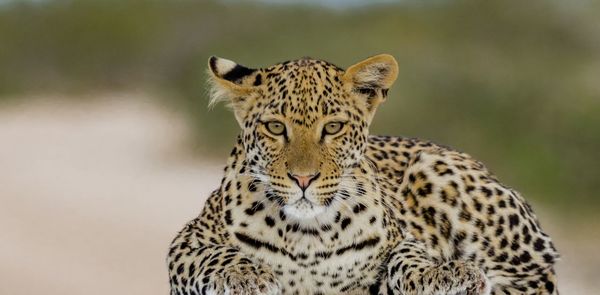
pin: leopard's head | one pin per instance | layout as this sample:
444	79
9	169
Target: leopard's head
304	125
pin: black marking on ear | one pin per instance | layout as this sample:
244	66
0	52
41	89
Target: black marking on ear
237	73
213	64
368	91
384	92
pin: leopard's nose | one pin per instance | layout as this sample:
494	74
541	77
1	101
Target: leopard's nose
304	181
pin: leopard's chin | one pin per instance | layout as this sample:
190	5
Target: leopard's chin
303	209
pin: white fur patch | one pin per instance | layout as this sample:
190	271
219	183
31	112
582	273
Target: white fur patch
217	93
303	209
223	66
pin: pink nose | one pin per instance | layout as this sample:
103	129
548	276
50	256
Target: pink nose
304	181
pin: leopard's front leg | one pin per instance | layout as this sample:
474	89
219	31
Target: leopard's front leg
411	270
207	268
202	261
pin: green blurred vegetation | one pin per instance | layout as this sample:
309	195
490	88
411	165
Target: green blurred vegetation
514	83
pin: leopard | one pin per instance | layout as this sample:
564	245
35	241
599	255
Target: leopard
311	203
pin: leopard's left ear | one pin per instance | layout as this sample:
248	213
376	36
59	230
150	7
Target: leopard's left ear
371	78
234	84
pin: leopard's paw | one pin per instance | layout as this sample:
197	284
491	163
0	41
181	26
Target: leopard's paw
464	278
248	279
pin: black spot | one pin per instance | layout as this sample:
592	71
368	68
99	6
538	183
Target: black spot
252	186
502	204
374	289
337	217
548	258
513	220
486	191
282	215
425	190
538	245
359	208
503	243
345	222
228	218
502	257
257	80
254	207
550	287
269	221
411	178
525	257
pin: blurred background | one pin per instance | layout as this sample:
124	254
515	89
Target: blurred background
107	146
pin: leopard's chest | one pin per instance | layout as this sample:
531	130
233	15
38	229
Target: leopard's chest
341	256
317	270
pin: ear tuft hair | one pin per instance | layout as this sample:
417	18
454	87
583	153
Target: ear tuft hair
216	92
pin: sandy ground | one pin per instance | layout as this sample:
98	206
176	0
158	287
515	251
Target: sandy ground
91	195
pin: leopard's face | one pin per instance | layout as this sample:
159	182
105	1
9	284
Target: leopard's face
305	142
304	126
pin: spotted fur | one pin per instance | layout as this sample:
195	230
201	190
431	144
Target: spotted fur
305	211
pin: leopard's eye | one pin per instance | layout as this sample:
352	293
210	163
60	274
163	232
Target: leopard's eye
332	128
275	127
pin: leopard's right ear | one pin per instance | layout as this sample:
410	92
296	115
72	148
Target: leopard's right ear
232	83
